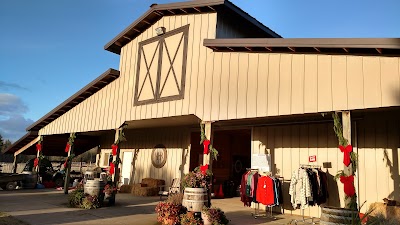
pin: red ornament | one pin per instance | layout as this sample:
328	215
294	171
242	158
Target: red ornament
112	168
35	162
204	169
348	183
206	144
38	147
67	147
65	163
114	148
346	157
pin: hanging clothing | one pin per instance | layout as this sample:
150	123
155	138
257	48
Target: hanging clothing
260	189
300	188
308	187
243	197
265	191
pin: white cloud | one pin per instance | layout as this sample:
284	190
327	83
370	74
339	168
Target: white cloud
12	120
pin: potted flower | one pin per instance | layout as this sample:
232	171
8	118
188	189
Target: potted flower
109	190
213	216
196	185
168	212
109	193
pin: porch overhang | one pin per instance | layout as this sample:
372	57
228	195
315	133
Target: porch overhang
175	121
53	145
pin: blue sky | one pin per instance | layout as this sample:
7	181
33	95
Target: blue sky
51	49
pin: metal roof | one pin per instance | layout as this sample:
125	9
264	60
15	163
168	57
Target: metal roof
93	87
351	46
156	12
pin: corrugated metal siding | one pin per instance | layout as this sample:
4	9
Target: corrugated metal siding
377	145
111	106
176	140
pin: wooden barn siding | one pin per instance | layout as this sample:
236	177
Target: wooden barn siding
113	105
222	86
258	85
377	145
176	140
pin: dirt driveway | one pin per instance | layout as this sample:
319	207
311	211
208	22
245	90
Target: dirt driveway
44	206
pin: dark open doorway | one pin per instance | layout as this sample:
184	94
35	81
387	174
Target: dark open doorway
234	147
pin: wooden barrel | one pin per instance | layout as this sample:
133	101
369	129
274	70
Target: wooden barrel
194	199
94	187
29	180
338	216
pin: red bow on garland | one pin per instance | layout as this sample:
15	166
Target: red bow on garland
38	147
114	148
348	183
67	147
204	169
65	163
206	144
35	162
346	157
112	168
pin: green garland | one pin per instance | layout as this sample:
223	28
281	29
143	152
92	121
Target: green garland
337	127
213	151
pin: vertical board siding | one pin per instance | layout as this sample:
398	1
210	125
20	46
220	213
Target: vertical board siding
375	138
113	104
177	142
234	85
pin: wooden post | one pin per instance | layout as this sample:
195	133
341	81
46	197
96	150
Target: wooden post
68	169
115	157
346	123
15	164
207	159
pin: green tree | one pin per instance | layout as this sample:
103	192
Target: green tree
1	143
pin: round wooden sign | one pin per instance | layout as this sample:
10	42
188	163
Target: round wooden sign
159	156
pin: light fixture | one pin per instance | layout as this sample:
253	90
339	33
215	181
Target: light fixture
160	30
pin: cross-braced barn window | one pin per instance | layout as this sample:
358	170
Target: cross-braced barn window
161	67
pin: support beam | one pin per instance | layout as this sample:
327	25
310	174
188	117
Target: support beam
115	157
346	123
207	159
27	146
68	169
207	130
14	170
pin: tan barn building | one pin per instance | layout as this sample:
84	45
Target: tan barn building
256	91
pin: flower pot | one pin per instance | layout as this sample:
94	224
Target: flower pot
194	199
205	219
109	199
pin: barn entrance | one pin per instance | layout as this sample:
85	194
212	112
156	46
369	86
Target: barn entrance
234	147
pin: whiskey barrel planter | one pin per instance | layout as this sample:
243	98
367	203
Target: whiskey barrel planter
194	199
338	216
94	187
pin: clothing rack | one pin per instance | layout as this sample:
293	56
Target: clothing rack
268	210
305	220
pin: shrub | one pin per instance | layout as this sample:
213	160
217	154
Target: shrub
168	211
175	199
190	219
75	197
90	202
215	215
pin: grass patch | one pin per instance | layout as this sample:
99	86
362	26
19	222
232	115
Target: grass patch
6	219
